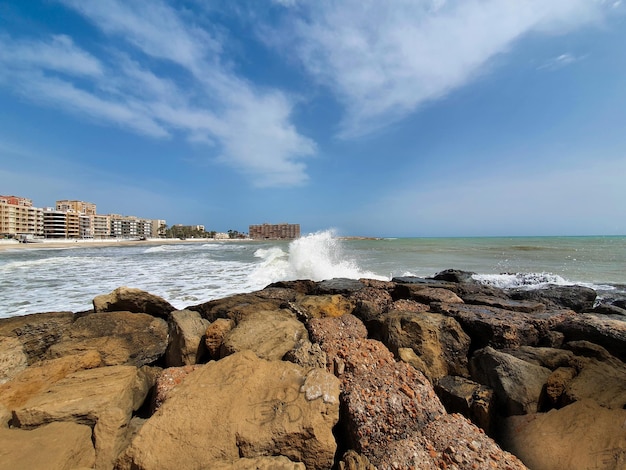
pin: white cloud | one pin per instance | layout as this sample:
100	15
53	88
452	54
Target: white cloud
560	61
383	62
247	127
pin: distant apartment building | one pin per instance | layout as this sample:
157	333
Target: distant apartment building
81	207
274	231
18	217
125	226
100	226
54	223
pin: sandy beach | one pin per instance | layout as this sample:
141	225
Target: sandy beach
15	245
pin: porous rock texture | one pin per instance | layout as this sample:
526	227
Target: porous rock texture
339	374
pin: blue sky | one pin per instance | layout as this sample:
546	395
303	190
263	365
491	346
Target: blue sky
398	118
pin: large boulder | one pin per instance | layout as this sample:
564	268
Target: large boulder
241	406
605	331
439	341
339	285
186	334
133	300
581	436
36	332
329	305
236	306
55	446
41	375
270	334
215	334
577	298
526	306
517	384
120	338
469	398
103	398
501	328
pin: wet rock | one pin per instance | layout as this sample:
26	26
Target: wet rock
606	332
577	298
56	446
436	339
186	335
580	436
316	306
455	275
120	338
500	328
235	307
129	299
339	286
525	306
517	384
270	334
302	286
608	309
403	285
36	332
469	398
256	408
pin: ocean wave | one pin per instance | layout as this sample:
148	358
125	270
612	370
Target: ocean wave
521	280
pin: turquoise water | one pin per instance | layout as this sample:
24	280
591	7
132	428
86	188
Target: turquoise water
53	279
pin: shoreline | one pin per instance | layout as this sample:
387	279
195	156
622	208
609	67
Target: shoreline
53	244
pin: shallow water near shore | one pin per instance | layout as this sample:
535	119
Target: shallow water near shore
67	279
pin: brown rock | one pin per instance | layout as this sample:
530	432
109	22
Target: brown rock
353	461
602	381
167	380
104	397
186	332
436	339
434	294
526	306
259	463
215	334
556	385
324	330
55	446
306	354
471	399
604	331
270	334
36	332
370	302
517	384
405	305
500	328
580	436
13	359
236	307
256	408
119	337
42	375
133	300
551	358
317	306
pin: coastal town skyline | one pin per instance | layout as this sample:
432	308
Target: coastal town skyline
420	118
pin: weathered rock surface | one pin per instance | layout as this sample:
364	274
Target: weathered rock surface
438	341
517	384
604	331
13	359
103	398
525	306
36	332
236	306
120	338
215	334
580	436
129	299
186	335
259	463
501	328
256	408
329	305
577	298
270	334
339	286
41	375
167	380
55	446
469	398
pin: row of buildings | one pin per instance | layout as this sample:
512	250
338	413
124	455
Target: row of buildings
274	231
70	219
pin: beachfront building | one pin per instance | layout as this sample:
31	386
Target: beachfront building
128	226
19	219
100	226
80	207
54	223
274	231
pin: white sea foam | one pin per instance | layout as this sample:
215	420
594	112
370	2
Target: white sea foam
521	280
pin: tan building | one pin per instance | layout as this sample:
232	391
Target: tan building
82	207
18	218
274	231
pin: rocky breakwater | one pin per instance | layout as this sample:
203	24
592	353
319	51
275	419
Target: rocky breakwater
339	374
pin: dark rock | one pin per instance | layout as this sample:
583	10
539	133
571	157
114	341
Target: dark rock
526	306
500	328
127	299
302	286
587	349
455	275
608	309
339	286
469	398
578	298
120	338
517	384
278	293
606	332
36	332
235	307
370	302
405	286
550	358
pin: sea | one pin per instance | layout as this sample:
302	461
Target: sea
48	278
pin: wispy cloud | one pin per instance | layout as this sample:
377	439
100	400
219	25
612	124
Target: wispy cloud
560	61
383	62
246	127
